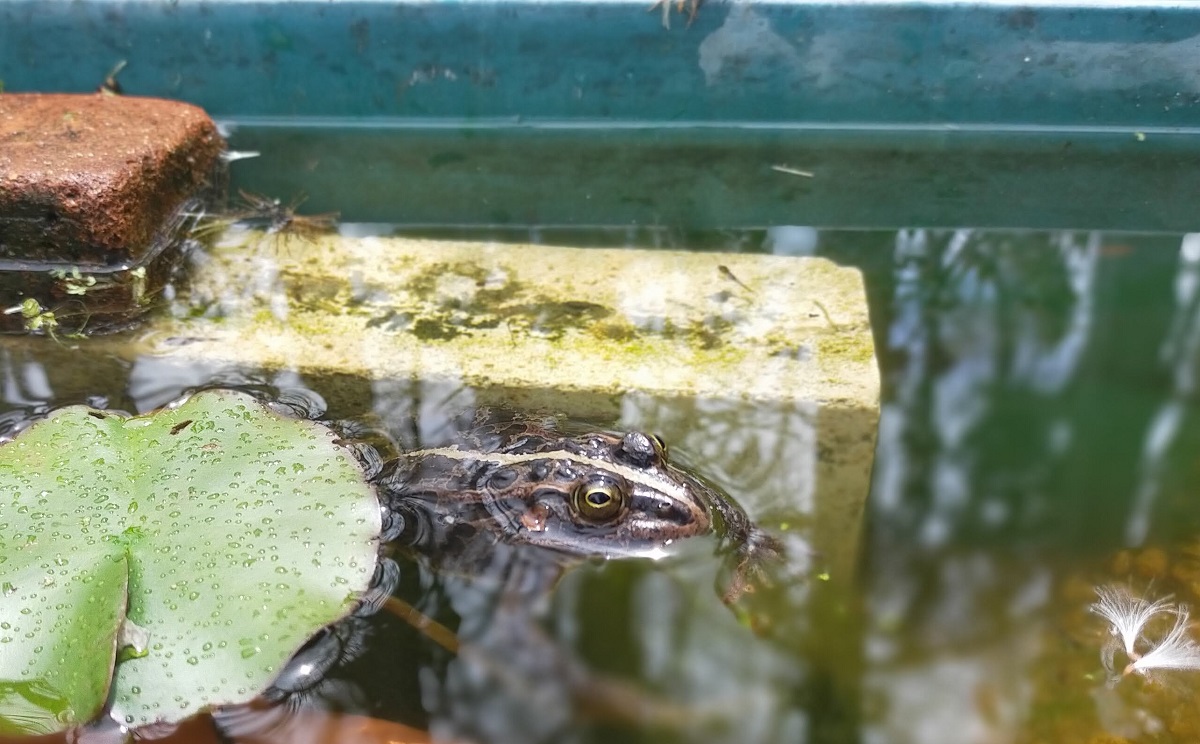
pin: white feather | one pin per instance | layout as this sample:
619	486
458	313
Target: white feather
1175	651
1126	613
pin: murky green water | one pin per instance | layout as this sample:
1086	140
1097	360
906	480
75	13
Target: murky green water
1037	420
1038	392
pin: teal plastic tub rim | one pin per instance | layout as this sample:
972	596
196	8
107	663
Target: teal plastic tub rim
579	112
1077	64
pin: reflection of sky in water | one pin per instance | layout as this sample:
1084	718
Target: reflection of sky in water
961	331
1179	352
994	337
25	382
740	446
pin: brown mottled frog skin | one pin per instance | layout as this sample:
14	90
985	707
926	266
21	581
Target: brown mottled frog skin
590	494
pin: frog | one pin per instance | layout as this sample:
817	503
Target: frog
485	524
581	495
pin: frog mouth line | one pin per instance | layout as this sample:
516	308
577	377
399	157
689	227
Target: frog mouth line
633	475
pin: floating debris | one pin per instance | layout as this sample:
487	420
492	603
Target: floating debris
270	215
277	218
725	272
1126	613
110	86
230	156
792	171
691	5
1175	651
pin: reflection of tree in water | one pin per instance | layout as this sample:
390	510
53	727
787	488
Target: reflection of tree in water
1035	384
982	358
766	456
1181	354
37	374
418	414
985	341
763	454
25	390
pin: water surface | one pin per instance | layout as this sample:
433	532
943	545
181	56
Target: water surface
1035	440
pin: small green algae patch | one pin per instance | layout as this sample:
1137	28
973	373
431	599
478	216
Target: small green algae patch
430	329
228	532
853	348
444	301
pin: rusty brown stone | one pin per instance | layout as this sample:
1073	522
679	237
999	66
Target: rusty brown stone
91	180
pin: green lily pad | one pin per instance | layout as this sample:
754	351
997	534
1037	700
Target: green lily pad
67	666
234	532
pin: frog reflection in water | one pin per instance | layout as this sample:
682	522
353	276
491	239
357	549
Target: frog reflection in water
493	520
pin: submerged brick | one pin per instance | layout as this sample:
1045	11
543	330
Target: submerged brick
93	189
91	179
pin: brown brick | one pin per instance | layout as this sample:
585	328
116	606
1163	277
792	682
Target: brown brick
90	180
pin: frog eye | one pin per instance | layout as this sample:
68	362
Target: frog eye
659	445
598	501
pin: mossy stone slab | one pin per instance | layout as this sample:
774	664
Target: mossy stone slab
530	316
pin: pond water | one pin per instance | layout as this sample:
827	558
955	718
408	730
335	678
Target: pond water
1036	440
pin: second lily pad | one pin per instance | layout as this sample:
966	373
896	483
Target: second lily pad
243	532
